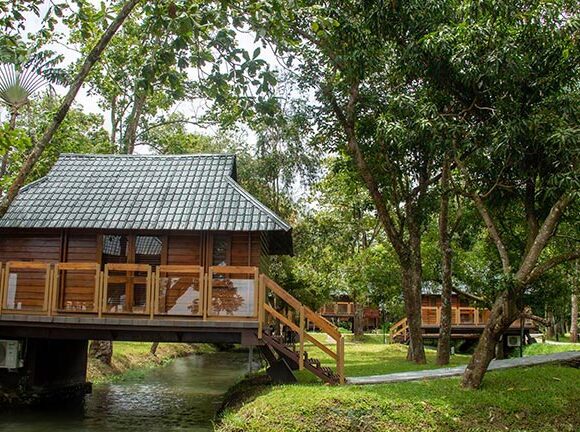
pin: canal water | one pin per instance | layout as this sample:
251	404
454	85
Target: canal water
182	396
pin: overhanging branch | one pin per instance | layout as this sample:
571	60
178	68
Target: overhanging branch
540	269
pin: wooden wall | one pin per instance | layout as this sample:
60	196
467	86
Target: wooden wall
435	301
78	288
245	249
27	286
184	249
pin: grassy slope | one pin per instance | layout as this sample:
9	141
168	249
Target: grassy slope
542	398
132	359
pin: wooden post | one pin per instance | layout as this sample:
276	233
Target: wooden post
47	288
261	301
97	288
301	358
152	288
202	293
1	286
101	294
256	312
6	283
52	295
105	285
340	359
208	286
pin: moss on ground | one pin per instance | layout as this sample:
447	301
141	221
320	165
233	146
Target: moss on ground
541	398
131	360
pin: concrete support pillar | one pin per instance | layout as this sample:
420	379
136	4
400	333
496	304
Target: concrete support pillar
52	368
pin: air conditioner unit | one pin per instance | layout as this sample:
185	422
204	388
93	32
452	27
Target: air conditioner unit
513	341
10	357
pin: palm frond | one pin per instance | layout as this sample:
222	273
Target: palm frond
18	84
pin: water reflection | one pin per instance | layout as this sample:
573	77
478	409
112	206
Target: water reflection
182	396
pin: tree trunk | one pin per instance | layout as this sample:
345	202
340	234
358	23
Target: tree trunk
574	319
88	64
357	327
154	347
133	122
6	156
412	296
444	342
4	163
551	329
102	351
13	116
504	311
413	274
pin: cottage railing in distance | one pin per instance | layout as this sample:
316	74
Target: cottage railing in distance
177	292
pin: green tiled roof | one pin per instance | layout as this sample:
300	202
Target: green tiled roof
143	192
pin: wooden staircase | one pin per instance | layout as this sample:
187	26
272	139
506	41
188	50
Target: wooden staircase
399	332
282	330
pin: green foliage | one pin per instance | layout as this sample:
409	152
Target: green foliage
79	133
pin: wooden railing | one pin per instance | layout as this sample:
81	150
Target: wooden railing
135	290
36	287
70	288
462	315
399	329
236	295
76	297
179	291
281	308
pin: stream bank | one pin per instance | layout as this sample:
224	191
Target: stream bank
133	359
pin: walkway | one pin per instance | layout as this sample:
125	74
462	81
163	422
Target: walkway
457	371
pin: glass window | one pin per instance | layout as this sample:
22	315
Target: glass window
221	251
148	250
115	249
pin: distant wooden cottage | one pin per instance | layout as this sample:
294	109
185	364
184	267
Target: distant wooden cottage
342	309
467	320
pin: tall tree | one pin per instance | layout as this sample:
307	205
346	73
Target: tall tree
369	110
90	60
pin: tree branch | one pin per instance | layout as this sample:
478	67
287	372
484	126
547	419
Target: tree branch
528	315
544	234
347	119
540	269
488	220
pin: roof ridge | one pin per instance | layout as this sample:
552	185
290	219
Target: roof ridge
257	203
33	183
103	155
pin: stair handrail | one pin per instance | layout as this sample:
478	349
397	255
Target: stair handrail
304	314
398	328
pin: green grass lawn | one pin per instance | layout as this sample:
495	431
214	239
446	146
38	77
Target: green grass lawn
542	398
544	348
369	356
